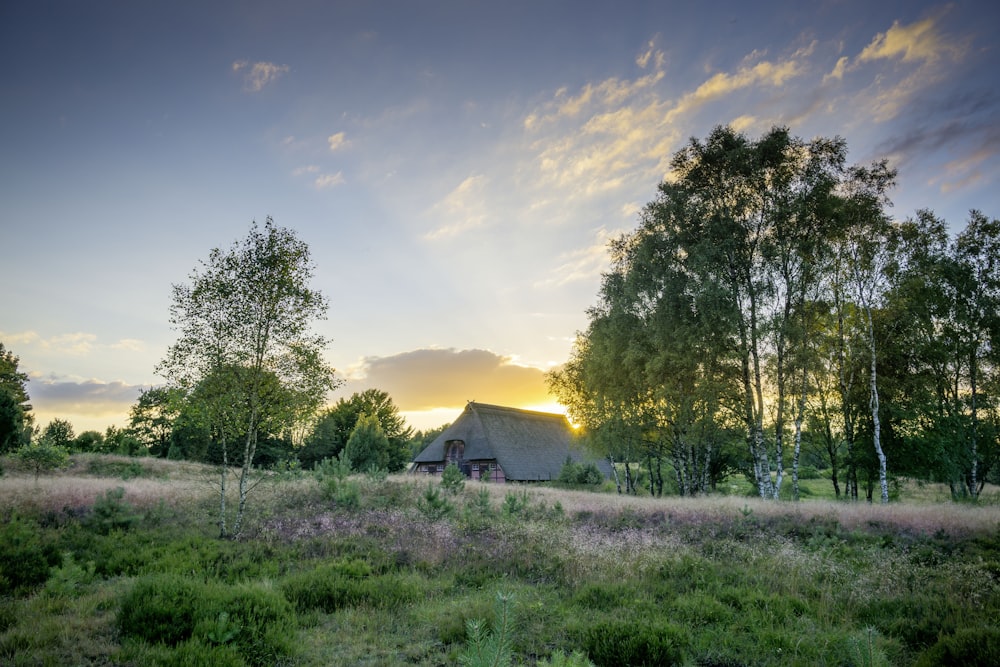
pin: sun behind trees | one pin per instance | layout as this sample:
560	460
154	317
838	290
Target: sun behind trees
766	300
246	358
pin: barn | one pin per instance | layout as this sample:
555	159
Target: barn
500	444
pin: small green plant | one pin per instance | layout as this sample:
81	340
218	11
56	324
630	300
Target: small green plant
67	579
224	631
433	505
864	650
333	475
515	504
491	647
560	659
452	479
111	512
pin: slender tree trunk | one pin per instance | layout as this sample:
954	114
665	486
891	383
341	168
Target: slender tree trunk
223	473
799	416
873	401
973	482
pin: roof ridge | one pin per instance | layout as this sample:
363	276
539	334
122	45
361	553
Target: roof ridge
473	405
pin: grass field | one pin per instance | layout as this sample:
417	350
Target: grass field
115	562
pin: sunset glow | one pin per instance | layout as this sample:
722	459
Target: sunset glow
457	172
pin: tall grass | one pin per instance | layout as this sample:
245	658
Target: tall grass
94	576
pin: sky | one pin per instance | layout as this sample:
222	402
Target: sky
456	168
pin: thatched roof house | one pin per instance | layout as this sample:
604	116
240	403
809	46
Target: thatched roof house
501	444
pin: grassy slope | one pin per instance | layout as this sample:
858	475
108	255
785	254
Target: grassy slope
730	580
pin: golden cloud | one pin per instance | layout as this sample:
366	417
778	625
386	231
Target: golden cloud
427	379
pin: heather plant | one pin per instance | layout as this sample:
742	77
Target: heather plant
26	555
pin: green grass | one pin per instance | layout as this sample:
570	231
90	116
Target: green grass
724	580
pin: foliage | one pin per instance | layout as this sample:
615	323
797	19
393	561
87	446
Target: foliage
15	411
560	659
335	426
43	456
974	646
26	555
573	472
172	609
491	647
112	513
452	479
434	506
635	642
246	348
367	447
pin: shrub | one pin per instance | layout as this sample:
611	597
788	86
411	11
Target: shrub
67	579
560	659
452	479
809	472
160	609
614	643
970	647
580	473
171	609
111	513
25	556
346	584
433	505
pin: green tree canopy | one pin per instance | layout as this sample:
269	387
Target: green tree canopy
246	340
15	411
335	426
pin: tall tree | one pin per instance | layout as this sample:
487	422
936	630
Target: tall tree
244	320
15	411
335	425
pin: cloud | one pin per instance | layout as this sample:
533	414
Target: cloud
583	263
307	169
838	70
427	379
917	42
76	343
326	181
763	73
88	404
258	75
462	209
337	141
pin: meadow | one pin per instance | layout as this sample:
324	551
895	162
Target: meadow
116	561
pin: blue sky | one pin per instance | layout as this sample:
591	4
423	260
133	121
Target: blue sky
456	168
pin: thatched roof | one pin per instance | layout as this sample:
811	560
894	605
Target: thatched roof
528	445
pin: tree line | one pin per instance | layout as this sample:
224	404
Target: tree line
768	311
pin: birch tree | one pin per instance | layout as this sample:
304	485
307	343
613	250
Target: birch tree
245	341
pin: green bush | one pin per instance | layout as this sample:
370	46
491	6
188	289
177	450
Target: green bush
809	472
615	643
26	556
160	609
170	609
452	479
433	505
969	647
111	513
332	587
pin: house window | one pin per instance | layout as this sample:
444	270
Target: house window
475	467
